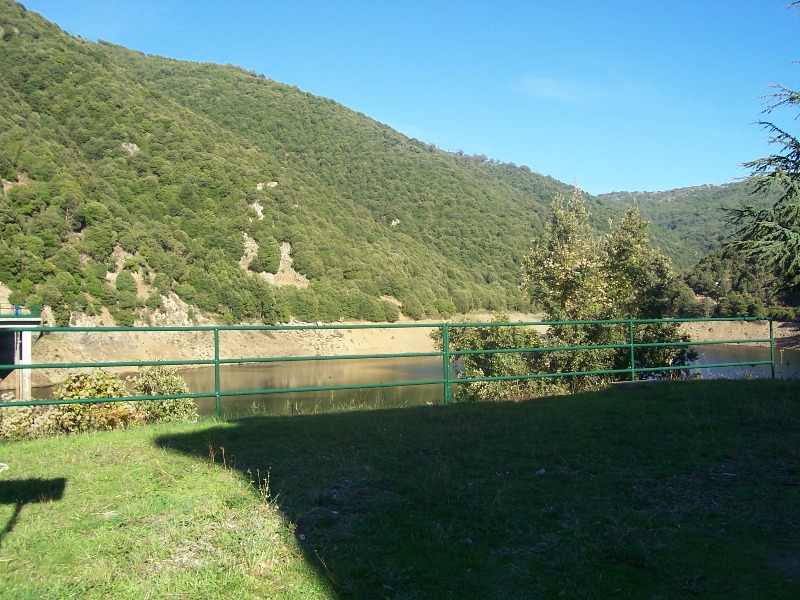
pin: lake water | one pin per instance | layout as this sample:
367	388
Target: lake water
787	362
318	373
360	371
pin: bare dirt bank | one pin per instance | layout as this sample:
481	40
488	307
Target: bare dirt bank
93	347
787	335
190	346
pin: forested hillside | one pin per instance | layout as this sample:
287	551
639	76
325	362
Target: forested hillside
128	178
698	215
726	280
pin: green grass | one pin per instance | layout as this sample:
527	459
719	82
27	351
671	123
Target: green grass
658	491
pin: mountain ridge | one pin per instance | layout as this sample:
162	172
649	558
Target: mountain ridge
180	163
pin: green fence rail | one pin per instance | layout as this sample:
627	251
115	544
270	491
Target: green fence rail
447	355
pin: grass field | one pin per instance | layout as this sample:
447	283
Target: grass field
656	491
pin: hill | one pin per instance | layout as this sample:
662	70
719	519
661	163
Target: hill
178	166
693	219
133	180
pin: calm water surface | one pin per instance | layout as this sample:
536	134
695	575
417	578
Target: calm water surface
318	373
787	362
349	372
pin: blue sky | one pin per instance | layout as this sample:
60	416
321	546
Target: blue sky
610	95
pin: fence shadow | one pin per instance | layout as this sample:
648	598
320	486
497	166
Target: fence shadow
378	506
20	492
520	500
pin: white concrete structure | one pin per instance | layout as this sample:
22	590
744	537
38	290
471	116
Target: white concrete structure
22	341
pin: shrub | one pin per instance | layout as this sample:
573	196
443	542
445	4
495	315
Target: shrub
162	283
123	317
125	282
268	257
412	308
36	421
782	313
93	417
492	337
154	301
733	305
558	362
164	380
391	313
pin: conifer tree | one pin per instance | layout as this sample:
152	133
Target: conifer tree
772	235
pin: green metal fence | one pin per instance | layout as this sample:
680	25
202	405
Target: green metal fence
447	355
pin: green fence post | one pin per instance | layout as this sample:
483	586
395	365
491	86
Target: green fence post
217	398
446	362
633	359
772	347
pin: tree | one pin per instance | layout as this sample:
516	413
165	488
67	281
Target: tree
772	235
574	274
639	279
577	275
562	271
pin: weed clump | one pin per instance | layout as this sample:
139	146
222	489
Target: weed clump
19	422
164	380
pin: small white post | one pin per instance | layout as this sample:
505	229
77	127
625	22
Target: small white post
26	360
22	356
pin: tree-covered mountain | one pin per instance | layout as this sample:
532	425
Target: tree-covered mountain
174	163
128	178
694	221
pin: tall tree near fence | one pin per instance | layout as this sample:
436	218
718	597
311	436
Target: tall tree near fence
772	235
575	274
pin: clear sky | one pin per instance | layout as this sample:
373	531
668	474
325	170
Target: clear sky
610	95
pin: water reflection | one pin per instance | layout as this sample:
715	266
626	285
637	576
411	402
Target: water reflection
787	362
318	373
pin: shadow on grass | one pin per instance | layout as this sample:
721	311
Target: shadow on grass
642	492
20	492
384	501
